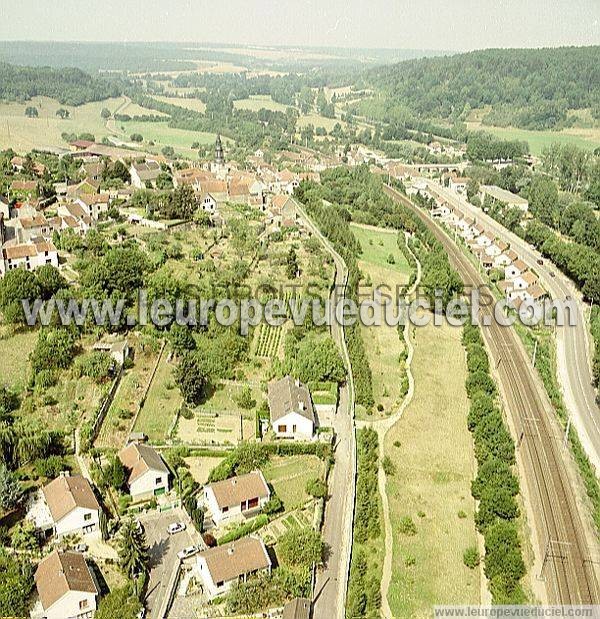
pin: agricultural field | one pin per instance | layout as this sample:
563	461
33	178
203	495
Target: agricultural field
318	121
433	453
588	139
259	102
378	244
289	475
268	340
163	135
190	104
23	134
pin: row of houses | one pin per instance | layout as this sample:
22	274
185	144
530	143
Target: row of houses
519	283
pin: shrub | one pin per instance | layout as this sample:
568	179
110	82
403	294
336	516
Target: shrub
407	526
317	488
244	529
389	468
471	557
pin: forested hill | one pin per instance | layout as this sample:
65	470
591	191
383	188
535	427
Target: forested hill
69	86
530	88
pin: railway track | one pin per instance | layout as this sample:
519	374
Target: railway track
568	565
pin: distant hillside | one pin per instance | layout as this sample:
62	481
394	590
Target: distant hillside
529	88
69	86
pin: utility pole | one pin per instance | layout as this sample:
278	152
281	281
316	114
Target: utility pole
534	353
567	430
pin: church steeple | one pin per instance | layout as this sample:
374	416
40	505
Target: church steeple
219	155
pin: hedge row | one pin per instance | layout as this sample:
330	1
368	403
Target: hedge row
495	487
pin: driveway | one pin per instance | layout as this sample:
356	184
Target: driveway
163	549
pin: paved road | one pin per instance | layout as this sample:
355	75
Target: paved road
563	549
573	345
332	580
163	554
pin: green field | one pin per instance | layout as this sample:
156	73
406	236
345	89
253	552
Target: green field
259	102
14	353
318	121
377	245
191	104
163	135
22	134
432	449
588	139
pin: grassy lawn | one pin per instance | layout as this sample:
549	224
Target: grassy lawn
433	453
289	475
22	134
588	139
378	244
259	102
201	466
14	352
162	402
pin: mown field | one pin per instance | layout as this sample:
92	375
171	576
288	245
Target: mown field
259	102
289	476
432	450
588	139
190	104
22	134
14	355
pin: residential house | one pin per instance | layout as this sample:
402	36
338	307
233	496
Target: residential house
144	174
28	228
75	217
291	409
458	183
148	475
285	209
237	496
24	189
66	587
29	256
94	204
118	350
515	269
222	566
84	188
209	203
73	506
92	170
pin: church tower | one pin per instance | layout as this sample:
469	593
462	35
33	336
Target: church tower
219	155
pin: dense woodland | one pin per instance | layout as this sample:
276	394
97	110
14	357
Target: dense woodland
530	88
68	86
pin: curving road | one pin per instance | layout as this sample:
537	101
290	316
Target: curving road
332	580
572	343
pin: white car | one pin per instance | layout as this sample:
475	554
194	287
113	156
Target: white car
81	548
176	527
188	552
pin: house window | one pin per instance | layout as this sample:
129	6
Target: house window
83	604
294	428
220	583
282	429
158	480
225	509
87	516
252	503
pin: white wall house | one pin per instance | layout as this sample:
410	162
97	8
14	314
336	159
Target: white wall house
291	409
66	588
208	203
238	496
73	506
220	567
148	475
515	269
29	256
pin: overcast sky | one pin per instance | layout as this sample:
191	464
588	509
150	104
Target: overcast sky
403	24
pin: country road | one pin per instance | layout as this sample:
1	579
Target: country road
573	343
332	580
565	550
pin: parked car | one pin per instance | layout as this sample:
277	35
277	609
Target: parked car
81	548
141	614
190	551
552	274
540	261
176	527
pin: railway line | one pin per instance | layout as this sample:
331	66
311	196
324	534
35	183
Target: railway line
568	563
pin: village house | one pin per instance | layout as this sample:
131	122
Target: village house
144	174
458	183
76	217
72	506
94	204
24	189
284	210
148	475
222	566
242	495
66	587
291	409
28	228
118	350
85	187
30	256
209	203
515	269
